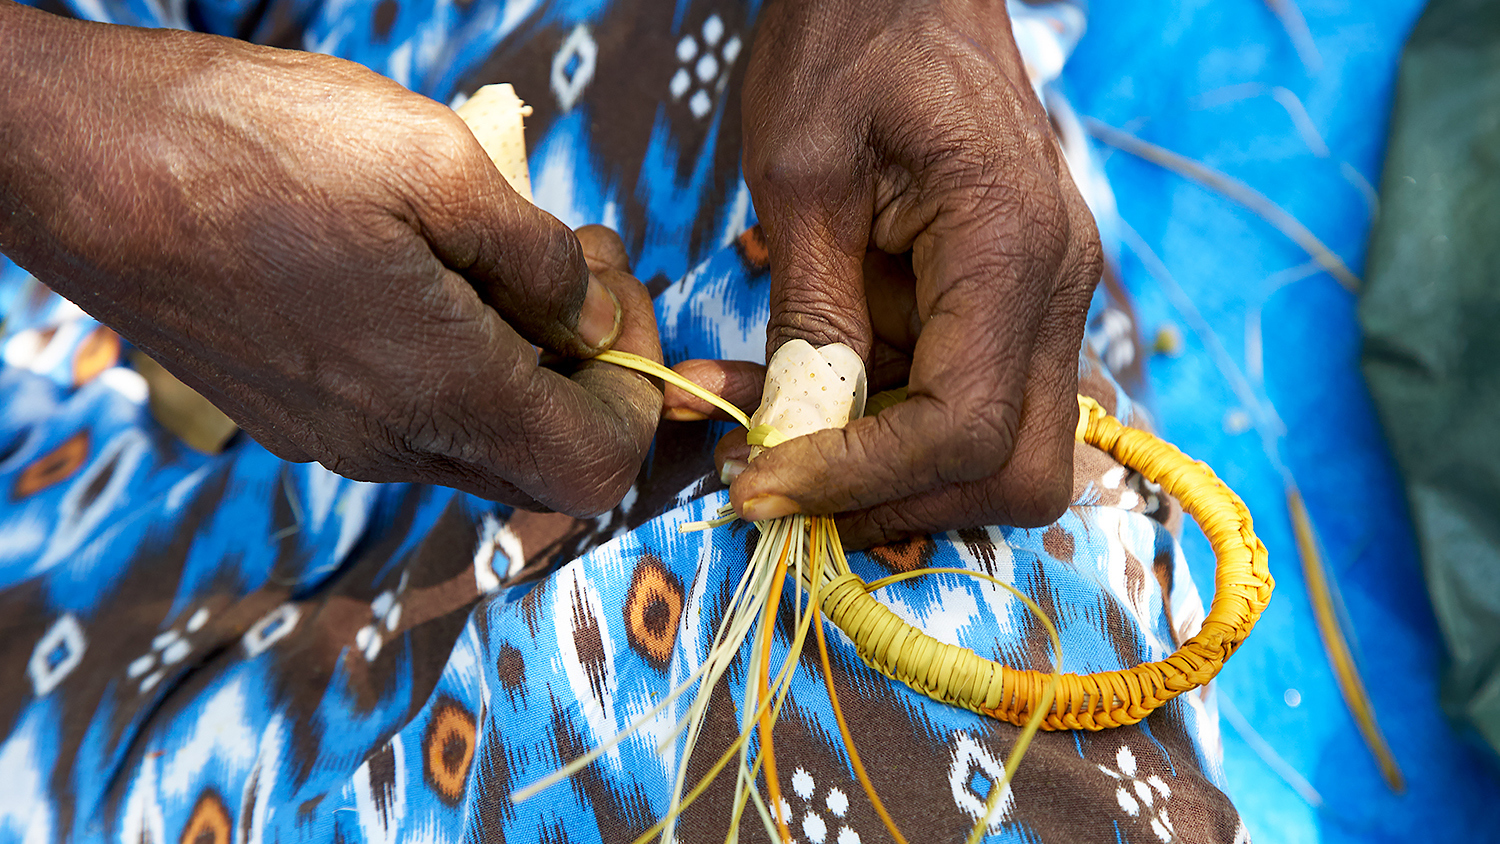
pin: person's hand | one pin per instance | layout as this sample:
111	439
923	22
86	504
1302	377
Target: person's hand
328	257
915	206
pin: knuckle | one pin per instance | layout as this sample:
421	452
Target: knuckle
998	249
1044	234
1039	501
439	156
361	460
1033	200
815	318
1091	254
990	129
977	439
557	268
439	134
1049	213
797	163
1090	267
1015	220
958	148
974	179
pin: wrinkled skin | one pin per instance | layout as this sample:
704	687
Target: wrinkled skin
329	258
916	207
333	261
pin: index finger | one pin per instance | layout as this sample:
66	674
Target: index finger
815	201
983	282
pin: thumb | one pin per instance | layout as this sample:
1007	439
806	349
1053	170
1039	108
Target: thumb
523	262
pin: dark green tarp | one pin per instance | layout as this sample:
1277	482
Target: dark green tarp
1431	314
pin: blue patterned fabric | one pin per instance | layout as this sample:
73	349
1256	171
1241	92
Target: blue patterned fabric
283	654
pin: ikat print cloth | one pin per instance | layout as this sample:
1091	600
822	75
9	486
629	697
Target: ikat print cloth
233	648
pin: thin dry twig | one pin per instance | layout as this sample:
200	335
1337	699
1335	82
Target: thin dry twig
1232	188
1290	15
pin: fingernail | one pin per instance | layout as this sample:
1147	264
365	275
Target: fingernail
763	507
599	324
682	414
732	469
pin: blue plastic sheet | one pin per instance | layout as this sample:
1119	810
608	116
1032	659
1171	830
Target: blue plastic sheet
1267	389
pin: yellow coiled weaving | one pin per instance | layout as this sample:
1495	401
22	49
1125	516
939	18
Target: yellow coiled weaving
958	676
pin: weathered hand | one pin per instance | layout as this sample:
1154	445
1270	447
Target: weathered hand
915	204
328	257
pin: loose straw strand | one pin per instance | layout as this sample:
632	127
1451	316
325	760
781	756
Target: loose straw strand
838	714
1320	595
768	622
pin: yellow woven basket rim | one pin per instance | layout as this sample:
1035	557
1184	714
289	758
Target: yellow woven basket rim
1242	588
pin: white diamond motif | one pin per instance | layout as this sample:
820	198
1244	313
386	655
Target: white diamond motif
701	104
708	68
838	802
566	86
272	628
802	783
56	655
681	81
713	30
970	758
